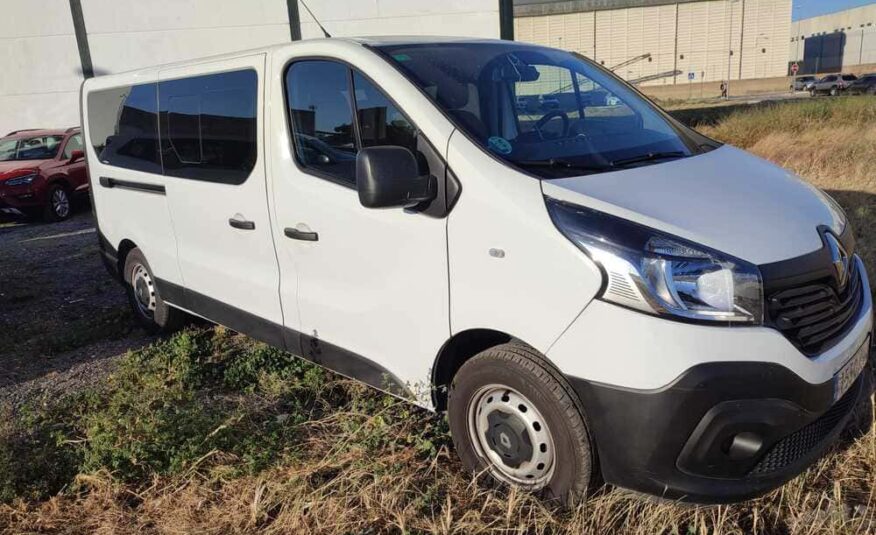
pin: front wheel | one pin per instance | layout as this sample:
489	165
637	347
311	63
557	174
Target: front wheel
150	310
58	204
812	92
834	91
515	418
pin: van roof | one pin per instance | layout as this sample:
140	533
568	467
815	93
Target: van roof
358	41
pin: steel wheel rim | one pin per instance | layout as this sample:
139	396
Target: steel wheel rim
60	203
499	440
144	290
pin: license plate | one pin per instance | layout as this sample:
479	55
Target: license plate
843	380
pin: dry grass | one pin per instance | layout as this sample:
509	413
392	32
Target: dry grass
360	462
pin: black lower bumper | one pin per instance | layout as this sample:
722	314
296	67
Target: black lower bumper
722	432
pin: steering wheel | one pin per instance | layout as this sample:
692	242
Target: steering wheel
547	117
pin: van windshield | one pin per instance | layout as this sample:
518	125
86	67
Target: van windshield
549	112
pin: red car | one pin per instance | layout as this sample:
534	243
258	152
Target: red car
41	171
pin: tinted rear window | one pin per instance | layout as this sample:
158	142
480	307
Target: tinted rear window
123	127
208	126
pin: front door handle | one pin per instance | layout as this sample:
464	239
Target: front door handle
296	234
242	224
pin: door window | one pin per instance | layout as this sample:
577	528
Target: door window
380	122
208	126
75	143
318	96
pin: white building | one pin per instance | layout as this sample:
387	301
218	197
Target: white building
712	40
48	43
833	42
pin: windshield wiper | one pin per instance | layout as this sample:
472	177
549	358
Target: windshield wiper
648	157
557	163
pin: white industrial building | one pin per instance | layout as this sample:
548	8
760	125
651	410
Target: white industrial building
705	40
836	41
43	60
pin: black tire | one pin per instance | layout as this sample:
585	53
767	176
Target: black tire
156	316
834	91
59	203
521	368
813	93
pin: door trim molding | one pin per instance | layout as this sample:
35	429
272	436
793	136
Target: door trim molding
325	354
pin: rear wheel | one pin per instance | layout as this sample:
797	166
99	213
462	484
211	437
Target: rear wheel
59	206
515	418
150	310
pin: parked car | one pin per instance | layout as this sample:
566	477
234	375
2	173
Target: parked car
832	84
865	85
42	171
801	83
625	297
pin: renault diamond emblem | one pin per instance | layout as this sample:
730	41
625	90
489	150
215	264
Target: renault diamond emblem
840	259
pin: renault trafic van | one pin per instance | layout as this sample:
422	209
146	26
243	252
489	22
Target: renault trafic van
588	288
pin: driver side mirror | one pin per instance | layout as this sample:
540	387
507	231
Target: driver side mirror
76	155
388	177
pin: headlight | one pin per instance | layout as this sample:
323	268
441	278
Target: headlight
661	274
21	180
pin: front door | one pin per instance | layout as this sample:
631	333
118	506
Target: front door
212	148
371	285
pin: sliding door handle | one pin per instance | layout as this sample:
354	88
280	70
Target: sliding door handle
242	224
304	235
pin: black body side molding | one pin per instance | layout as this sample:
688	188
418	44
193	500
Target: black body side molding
108	182
301	345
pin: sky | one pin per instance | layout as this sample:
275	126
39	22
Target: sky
803	9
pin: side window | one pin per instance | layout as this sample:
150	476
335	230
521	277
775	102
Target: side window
75	143
321	115
123	127
380	122
209	126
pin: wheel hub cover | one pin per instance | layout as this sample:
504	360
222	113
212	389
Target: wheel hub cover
507	436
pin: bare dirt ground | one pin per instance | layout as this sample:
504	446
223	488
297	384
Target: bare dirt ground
62	318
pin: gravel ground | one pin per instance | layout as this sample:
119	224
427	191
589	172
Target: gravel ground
63	320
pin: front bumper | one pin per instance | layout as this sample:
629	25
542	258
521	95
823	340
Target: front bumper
20	197
666	400
678	442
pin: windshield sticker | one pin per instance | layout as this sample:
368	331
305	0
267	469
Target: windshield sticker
401	57
499	144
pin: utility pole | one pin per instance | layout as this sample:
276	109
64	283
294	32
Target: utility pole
729	44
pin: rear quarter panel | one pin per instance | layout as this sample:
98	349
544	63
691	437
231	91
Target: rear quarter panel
124	214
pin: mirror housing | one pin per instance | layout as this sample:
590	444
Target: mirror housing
388	177
76	155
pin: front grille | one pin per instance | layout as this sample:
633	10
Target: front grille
813	317
796	445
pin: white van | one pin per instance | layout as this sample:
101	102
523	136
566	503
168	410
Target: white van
503	231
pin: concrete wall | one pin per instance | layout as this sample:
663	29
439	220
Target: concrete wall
836	41
130	34
687	36
39	60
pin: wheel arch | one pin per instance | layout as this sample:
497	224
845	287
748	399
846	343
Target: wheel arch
125	247
456	351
